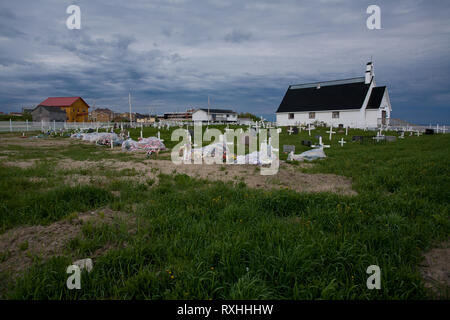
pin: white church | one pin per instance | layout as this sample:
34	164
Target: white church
355	102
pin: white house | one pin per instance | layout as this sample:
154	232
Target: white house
355	102
214	115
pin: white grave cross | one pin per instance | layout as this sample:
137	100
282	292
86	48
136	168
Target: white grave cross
320	145
342	141
290	130
309	129
331	131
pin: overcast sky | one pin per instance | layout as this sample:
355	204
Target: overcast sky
172	54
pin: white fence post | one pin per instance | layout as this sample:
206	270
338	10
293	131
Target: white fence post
27	125
10	125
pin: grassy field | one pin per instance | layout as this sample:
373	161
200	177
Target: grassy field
188	238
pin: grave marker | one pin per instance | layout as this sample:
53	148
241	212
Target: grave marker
309	129
288	148
378	137
342	141
320	145
290	130
331	132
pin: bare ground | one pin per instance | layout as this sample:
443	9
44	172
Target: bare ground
29	141
288	176
435	270
19	246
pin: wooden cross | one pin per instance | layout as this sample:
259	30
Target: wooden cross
290	130
309	129
320	145
378	137
331	131
418	133
443	129
342	141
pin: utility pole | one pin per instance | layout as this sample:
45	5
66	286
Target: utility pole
129	103
208	110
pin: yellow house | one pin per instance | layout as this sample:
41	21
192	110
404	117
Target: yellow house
77	110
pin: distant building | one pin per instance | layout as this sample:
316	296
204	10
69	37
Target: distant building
77	110
102	115
179	116
16	114
126	115
245	121
355	102
48	114
214	115
144	118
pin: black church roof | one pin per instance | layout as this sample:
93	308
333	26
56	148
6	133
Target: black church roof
375	97
331	95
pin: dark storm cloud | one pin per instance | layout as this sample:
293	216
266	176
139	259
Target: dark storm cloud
172	54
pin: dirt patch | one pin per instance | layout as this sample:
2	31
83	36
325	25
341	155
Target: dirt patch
19	246
435	271
20	164
37	180
30	141
68	164
287	177
74	180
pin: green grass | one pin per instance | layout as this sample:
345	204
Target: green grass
197	239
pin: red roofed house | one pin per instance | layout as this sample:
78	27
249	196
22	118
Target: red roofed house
77	110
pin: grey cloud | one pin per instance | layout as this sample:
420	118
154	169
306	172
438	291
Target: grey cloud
238	36
173	54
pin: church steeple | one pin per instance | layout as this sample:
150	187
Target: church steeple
369	72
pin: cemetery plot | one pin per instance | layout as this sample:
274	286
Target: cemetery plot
174	225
